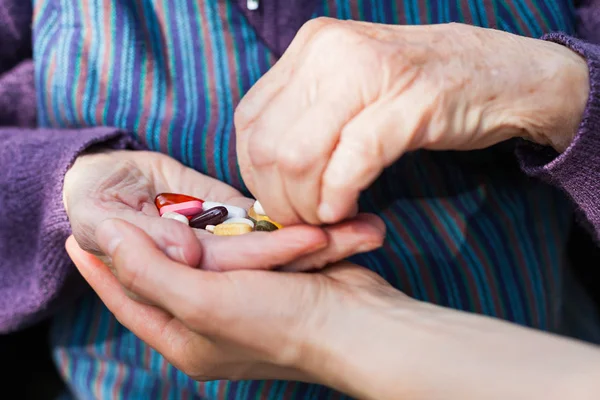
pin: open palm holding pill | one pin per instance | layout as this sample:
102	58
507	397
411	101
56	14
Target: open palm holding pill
175	204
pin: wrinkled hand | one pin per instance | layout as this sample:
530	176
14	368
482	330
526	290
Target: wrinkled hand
123	184
234	324
349	98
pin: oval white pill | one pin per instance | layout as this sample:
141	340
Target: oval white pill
210	228
259	208
240	221
207	205
177	217
235	212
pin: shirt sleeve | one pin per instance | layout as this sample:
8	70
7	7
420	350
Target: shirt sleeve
576	170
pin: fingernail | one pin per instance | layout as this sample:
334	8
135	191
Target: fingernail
326	213
175	253
367	247
109	236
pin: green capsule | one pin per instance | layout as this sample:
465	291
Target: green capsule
265	226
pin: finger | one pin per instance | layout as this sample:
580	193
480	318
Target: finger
364	233
254	103
167	335
261	250
152	325
191	295
259	123
305	151
372	140
257	250
261	163
175	239
292	138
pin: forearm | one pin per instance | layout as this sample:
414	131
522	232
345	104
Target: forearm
421	351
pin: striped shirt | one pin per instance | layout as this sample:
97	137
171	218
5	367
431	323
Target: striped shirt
465	230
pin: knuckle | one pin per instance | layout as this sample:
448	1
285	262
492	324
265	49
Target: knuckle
128	271
365	147
83	239
333	35
457	27
261	153
295	159
197	359
83	231
242	119
172	232
194	313
313	26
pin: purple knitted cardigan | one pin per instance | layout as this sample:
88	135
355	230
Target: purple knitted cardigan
36	275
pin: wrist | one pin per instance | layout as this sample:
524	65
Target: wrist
540	91
571	86
360	353
559	95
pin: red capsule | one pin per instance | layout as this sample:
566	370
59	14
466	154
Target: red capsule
167	199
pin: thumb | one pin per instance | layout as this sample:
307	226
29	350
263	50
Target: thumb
140	265
172	237
204	301
371	141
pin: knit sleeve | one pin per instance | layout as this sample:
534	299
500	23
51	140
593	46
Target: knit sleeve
576	170
587	13
36	273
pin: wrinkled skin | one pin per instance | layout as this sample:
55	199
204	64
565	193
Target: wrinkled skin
348	98
123	184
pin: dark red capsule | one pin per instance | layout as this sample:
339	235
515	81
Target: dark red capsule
166	199
212	216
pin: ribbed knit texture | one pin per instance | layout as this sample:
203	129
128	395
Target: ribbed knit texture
576	170
34	224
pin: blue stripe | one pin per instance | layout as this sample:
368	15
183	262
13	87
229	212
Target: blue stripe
528	17
173	61
44	51
218	67
190	84
154	56
223	137
474	13
483	13
135	68
71	45
201	73
483	227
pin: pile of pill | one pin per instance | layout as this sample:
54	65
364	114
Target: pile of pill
218	218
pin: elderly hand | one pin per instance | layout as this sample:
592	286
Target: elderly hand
123	184
343	327
349	98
